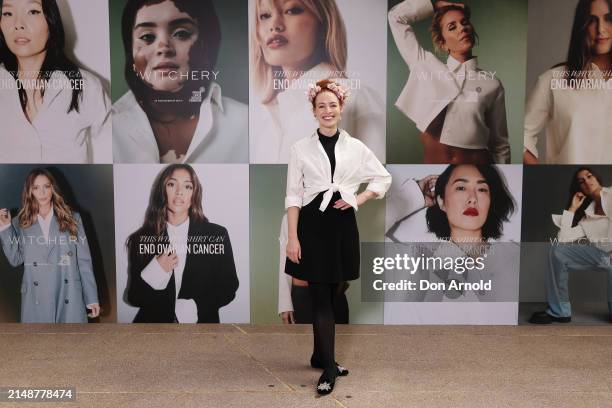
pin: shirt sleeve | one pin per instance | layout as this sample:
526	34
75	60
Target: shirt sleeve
403	201
498	129
374	173
155	275
98	106
295	181
401	17
567	233
284	281
537	113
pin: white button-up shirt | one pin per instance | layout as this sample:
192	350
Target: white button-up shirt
186	310
309	171
221	135
474	99
578	122
596	228
277	125
45	223
55	136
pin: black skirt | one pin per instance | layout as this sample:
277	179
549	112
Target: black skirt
330	244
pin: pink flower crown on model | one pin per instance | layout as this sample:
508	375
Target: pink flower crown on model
341	92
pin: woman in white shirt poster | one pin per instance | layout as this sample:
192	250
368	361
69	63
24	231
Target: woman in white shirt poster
573	100
583	243
175	111
298	42
52	110
181	266
458	107
323	175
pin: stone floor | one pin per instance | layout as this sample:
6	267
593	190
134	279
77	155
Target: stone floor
186	366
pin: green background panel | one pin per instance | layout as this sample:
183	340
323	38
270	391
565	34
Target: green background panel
267	196
502	28
233	61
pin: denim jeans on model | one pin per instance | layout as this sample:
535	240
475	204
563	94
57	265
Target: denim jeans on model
563	257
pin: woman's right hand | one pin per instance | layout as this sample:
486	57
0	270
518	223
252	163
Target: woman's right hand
577	201
294	251
168	261
5	217
427	186
287	317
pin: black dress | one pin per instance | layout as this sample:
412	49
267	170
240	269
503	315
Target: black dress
329	240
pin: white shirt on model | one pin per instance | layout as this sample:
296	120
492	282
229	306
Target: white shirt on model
220	136
578	122
474	99
596	228
309	172
55	136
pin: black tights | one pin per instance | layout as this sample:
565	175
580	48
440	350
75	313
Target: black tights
323	324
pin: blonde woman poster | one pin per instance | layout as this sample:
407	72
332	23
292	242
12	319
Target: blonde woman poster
299	42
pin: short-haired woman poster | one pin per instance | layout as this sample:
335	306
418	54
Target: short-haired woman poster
175	111
53	111
294	44
467	208
458	108
47	237
324	172
189	273
572	101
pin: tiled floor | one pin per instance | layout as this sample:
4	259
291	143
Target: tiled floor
265	366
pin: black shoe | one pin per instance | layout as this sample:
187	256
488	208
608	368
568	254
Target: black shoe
341	371
545	318
325	385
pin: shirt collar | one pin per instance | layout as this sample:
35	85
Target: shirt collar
49	216
215	96
454	64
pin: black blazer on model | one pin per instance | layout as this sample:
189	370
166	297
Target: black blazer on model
209	279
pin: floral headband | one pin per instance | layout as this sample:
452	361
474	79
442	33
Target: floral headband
341	92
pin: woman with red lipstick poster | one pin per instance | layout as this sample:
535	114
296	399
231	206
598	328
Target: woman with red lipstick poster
52	109
464	211
295	43
572	101
174	110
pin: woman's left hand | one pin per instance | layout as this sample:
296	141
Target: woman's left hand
342	205
95	311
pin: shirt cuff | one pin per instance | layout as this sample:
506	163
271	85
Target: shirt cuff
379	188
293	201
5	227
186	311
155	276
567	219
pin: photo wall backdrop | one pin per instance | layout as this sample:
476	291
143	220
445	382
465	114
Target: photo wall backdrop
219	87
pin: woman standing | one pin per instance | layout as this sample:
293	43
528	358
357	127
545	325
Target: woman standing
48	238
295	43
324	172
459	108
52	110
175	111
189	274
573	100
